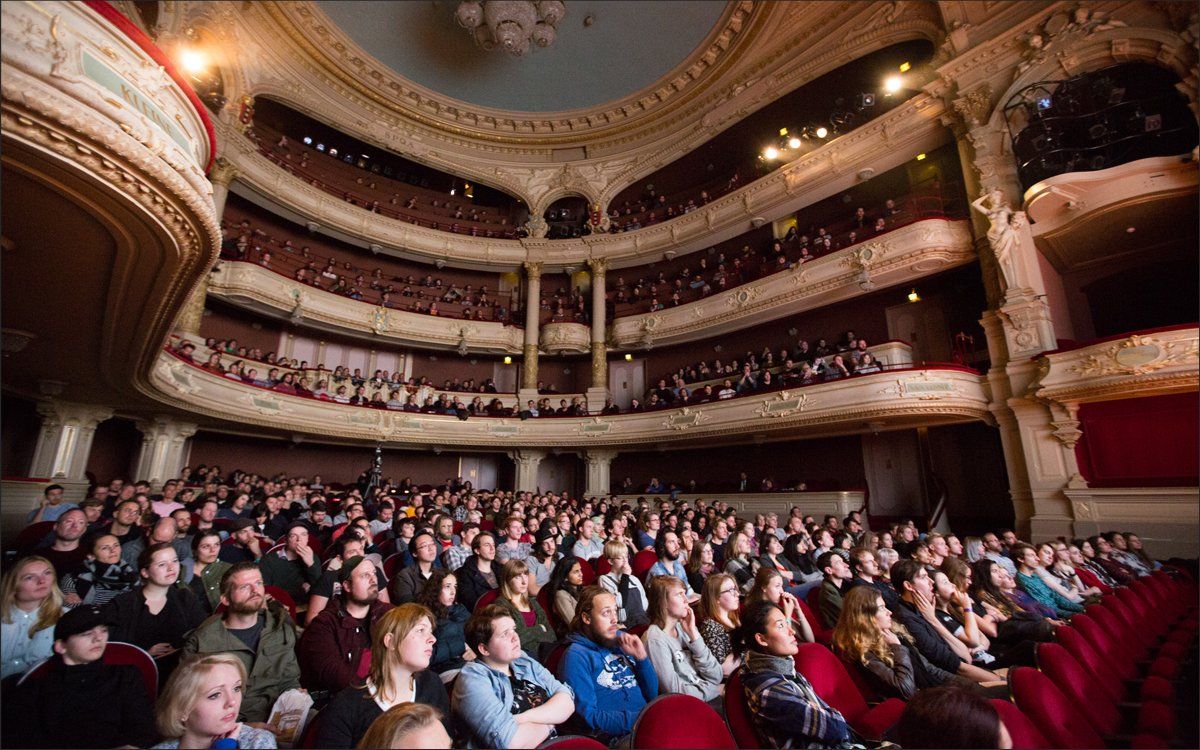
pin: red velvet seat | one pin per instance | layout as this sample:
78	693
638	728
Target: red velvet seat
823	634
1050	711
1093	702
29	537
487	598
681	721
284	598
737	714
393	564
589	572
602	565
1025	736
547	604
1126	644
831	681
642	562
554	659
1072	639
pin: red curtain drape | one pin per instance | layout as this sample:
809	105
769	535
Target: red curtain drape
1141	442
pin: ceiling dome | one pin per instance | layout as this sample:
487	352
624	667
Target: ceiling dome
626	48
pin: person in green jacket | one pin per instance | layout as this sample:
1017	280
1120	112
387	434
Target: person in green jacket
258	631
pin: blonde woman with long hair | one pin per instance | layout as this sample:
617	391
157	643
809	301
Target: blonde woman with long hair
200	705
401	648
533	626
31	603
718	612
866	637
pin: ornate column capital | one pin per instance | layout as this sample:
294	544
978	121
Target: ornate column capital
223	172
533	269
599	266
57	413
599	456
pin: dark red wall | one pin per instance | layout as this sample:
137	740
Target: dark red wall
1140	442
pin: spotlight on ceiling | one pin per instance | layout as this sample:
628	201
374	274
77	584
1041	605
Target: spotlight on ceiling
905	67
771	153
193	61
821	132
892	84
793	142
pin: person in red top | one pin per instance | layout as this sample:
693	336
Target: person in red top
335	650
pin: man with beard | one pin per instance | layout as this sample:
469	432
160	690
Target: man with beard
608	670
335	650
544	557
258	631
65	552
667	547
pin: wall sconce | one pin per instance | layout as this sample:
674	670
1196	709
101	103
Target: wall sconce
628	357
508	360
913	296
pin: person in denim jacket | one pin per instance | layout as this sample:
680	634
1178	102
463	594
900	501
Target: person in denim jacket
505	698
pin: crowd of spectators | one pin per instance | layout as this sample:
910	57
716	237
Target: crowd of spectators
362	183
440	616
804	364
428	294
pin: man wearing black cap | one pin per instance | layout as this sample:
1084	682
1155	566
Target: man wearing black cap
77	700
295	568
409	582
543	558
335	650
245	546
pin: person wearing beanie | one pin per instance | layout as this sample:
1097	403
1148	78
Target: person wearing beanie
335	650
76	700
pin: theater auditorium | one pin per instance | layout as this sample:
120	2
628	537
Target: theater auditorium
582	374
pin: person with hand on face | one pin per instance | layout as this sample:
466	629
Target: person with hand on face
917	612
104	577
246	546
608	670
158	615
50	507
30	604
258	631
201	703
619	581
505	698
768	586
295	568
783	704
680	657
334	651
78	701
401	648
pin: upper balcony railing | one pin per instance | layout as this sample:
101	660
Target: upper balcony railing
903	397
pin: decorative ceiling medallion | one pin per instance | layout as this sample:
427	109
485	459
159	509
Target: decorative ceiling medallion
1137	355
514	26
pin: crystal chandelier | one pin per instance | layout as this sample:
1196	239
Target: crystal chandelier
511	24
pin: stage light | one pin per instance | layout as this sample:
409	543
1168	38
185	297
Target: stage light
905	67
771	153
793	142
193	61
892	84
822	132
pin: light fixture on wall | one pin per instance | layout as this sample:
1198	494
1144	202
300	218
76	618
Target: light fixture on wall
913	296
628	357
511	25
508	360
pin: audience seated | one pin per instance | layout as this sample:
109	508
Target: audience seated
784	707
295	568
32	604
408	726
259	632
506	698
914	615
401	649
334	651
951	717
407	584
203	702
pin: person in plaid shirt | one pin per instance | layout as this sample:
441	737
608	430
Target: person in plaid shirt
455	556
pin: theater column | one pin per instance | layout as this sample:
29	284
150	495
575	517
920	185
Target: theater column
164	449
598	393
64	444
529	363
599	472
1018	324
223	173
527	462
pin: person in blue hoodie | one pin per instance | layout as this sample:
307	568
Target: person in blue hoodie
608	669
